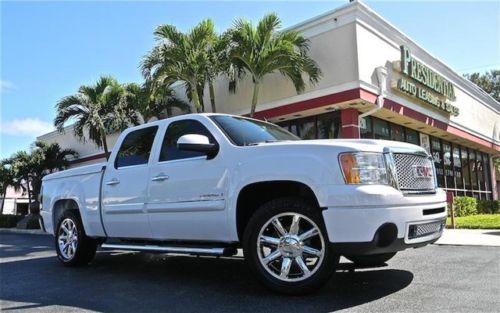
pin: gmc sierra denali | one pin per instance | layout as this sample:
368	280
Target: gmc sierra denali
208	184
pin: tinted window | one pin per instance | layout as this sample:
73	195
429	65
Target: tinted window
366	129
307	129
411	136
381	129
175	130
136	147
437	155
457	165
243	131
397	133
328	126
448	165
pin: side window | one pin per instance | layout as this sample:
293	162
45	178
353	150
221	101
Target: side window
136	147
177	129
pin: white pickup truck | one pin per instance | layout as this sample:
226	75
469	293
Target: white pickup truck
208	184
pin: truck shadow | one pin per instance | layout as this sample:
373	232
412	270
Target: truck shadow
135	282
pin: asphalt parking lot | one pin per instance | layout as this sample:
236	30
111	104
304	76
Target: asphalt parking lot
434	278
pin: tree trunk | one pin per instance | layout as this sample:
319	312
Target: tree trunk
3	201
196	99
255	97
202	101
212	95
29	195
104	143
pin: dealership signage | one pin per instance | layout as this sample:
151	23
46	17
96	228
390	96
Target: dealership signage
423	83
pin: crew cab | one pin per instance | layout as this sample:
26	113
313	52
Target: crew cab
209	184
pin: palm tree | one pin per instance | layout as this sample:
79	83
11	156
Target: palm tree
21	165
46	158
100	109
7	179
219	63
151	101
181	57
262	50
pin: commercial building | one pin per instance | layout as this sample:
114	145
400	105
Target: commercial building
377	83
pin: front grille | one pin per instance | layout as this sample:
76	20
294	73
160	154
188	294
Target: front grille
405	165
422	230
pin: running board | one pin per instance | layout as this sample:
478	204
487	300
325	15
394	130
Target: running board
172	249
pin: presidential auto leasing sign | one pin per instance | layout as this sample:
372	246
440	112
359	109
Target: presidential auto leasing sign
421	82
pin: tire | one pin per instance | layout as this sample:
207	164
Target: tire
294	268
78	249
370	260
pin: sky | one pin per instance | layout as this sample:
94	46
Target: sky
49	49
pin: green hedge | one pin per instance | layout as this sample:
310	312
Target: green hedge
465	206
488	206
9	220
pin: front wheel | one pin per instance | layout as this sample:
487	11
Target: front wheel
371	260
72	244
285	243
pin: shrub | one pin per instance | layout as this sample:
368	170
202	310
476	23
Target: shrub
9	220
488	206
465	206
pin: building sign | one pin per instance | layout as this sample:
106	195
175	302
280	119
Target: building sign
423	83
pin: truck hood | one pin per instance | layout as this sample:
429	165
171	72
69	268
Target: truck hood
82	170
368	145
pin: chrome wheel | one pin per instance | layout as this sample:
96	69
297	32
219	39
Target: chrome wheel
290	247
67	239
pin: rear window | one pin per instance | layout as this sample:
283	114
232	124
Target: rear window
136	147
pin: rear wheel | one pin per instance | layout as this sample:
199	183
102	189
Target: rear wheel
371	260
72	244
285	243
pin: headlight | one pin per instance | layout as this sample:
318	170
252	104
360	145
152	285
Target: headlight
363	168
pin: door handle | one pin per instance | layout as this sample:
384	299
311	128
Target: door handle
160	177
112	182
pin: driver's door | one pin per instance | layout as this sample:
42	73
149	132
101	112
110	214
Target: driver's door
186	193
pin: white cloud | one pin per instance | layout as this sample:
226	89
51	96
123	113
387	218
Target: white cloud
6	85
25	127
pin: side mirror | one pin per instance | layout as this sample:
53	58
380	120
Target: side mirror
198	143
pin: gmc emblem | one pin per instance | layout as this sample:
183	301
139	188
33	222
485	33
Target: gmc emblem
421	171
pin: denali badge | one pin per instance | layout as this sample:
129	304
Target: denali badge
422	171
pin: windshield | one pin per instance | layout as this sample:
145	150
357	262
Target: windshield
245	132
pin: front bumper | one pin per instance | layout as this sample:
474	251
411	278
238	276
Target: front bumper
383	220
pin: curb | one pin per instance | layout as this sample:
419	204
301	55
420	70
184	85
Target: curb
23	231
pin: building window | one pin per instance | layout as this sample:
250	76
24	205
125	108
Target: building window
294	129
328	126
473	169
366	129
397	132
457	167
381	129
448	165
412	136
480	171
465	167
487	180
437	156
307	129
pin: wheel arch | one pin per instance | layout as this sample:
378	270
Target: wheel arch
62	205
253	195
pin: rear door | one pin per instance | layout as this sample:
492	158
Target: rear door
125	185
187	192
